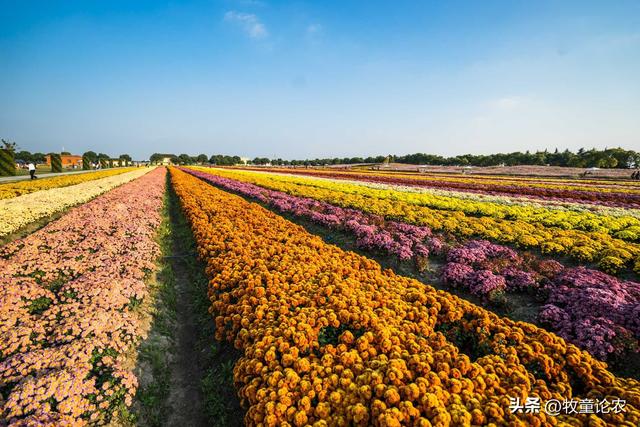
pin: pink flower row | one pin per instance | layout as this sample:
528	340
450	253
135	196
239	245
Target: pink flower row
67	293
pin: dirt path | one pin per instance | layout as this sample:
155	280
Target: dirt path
186	407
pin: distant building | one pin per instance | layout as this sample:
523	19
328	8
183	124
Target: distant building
244	160
68	161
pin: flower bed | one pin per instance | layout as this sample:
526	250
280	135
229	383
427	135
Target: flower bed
608	219
612	255
509	200
19	188
623	197
591	309
372	232
623	227
482	268
67	296
330	337
19	211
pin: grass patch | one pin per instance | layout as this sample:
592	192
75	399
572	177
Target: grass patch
153	370
178	262
220	401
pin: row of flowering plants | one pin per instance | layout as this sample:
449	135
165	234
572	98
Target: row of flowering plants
611	254
589	308
512	200
14	189
484	269
622	223
329	338
539	181
623	197
407	242
17	212
625	227
67	298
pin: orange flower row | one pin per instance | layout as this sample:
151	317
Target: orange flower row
329	338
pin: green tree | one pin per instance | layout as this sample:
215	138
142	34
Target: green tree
91	156
25	156
9	145
39	157
185	159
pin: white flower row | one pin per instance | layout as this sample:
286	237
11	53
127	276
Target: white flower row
20	211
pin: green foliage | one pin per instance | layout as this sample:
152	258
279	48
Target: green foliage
607	158
222	160
159	157
56	162
24	156
260	161
39	157
331	335
91	156
39	305
7	163
8	145
125	159
86	162
186	159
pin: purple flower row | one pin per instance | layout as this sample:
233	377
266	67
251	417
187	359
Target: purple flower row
594	310
599	312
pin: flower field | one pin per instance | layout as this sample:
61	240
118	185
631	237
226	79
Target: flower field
598	192
609	253
484	269
68	293
323	336
14	189
329	338
16	212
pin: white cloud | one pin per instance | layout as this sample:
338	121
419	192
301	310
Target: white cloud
249	23
507	103
314	29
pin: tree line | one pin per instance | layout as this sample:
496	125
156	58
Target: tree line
186	159
28	157
583	158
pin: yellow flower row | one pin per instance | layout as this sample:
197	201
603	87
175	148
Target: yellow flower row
558	184
20	211
623	227
611	253
529	179
329	338
14	189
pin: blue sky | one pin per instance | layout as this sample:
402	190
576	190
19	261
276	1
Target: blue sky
319	79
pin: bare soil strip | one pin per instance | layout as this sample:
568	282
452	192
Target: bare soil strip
186	377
